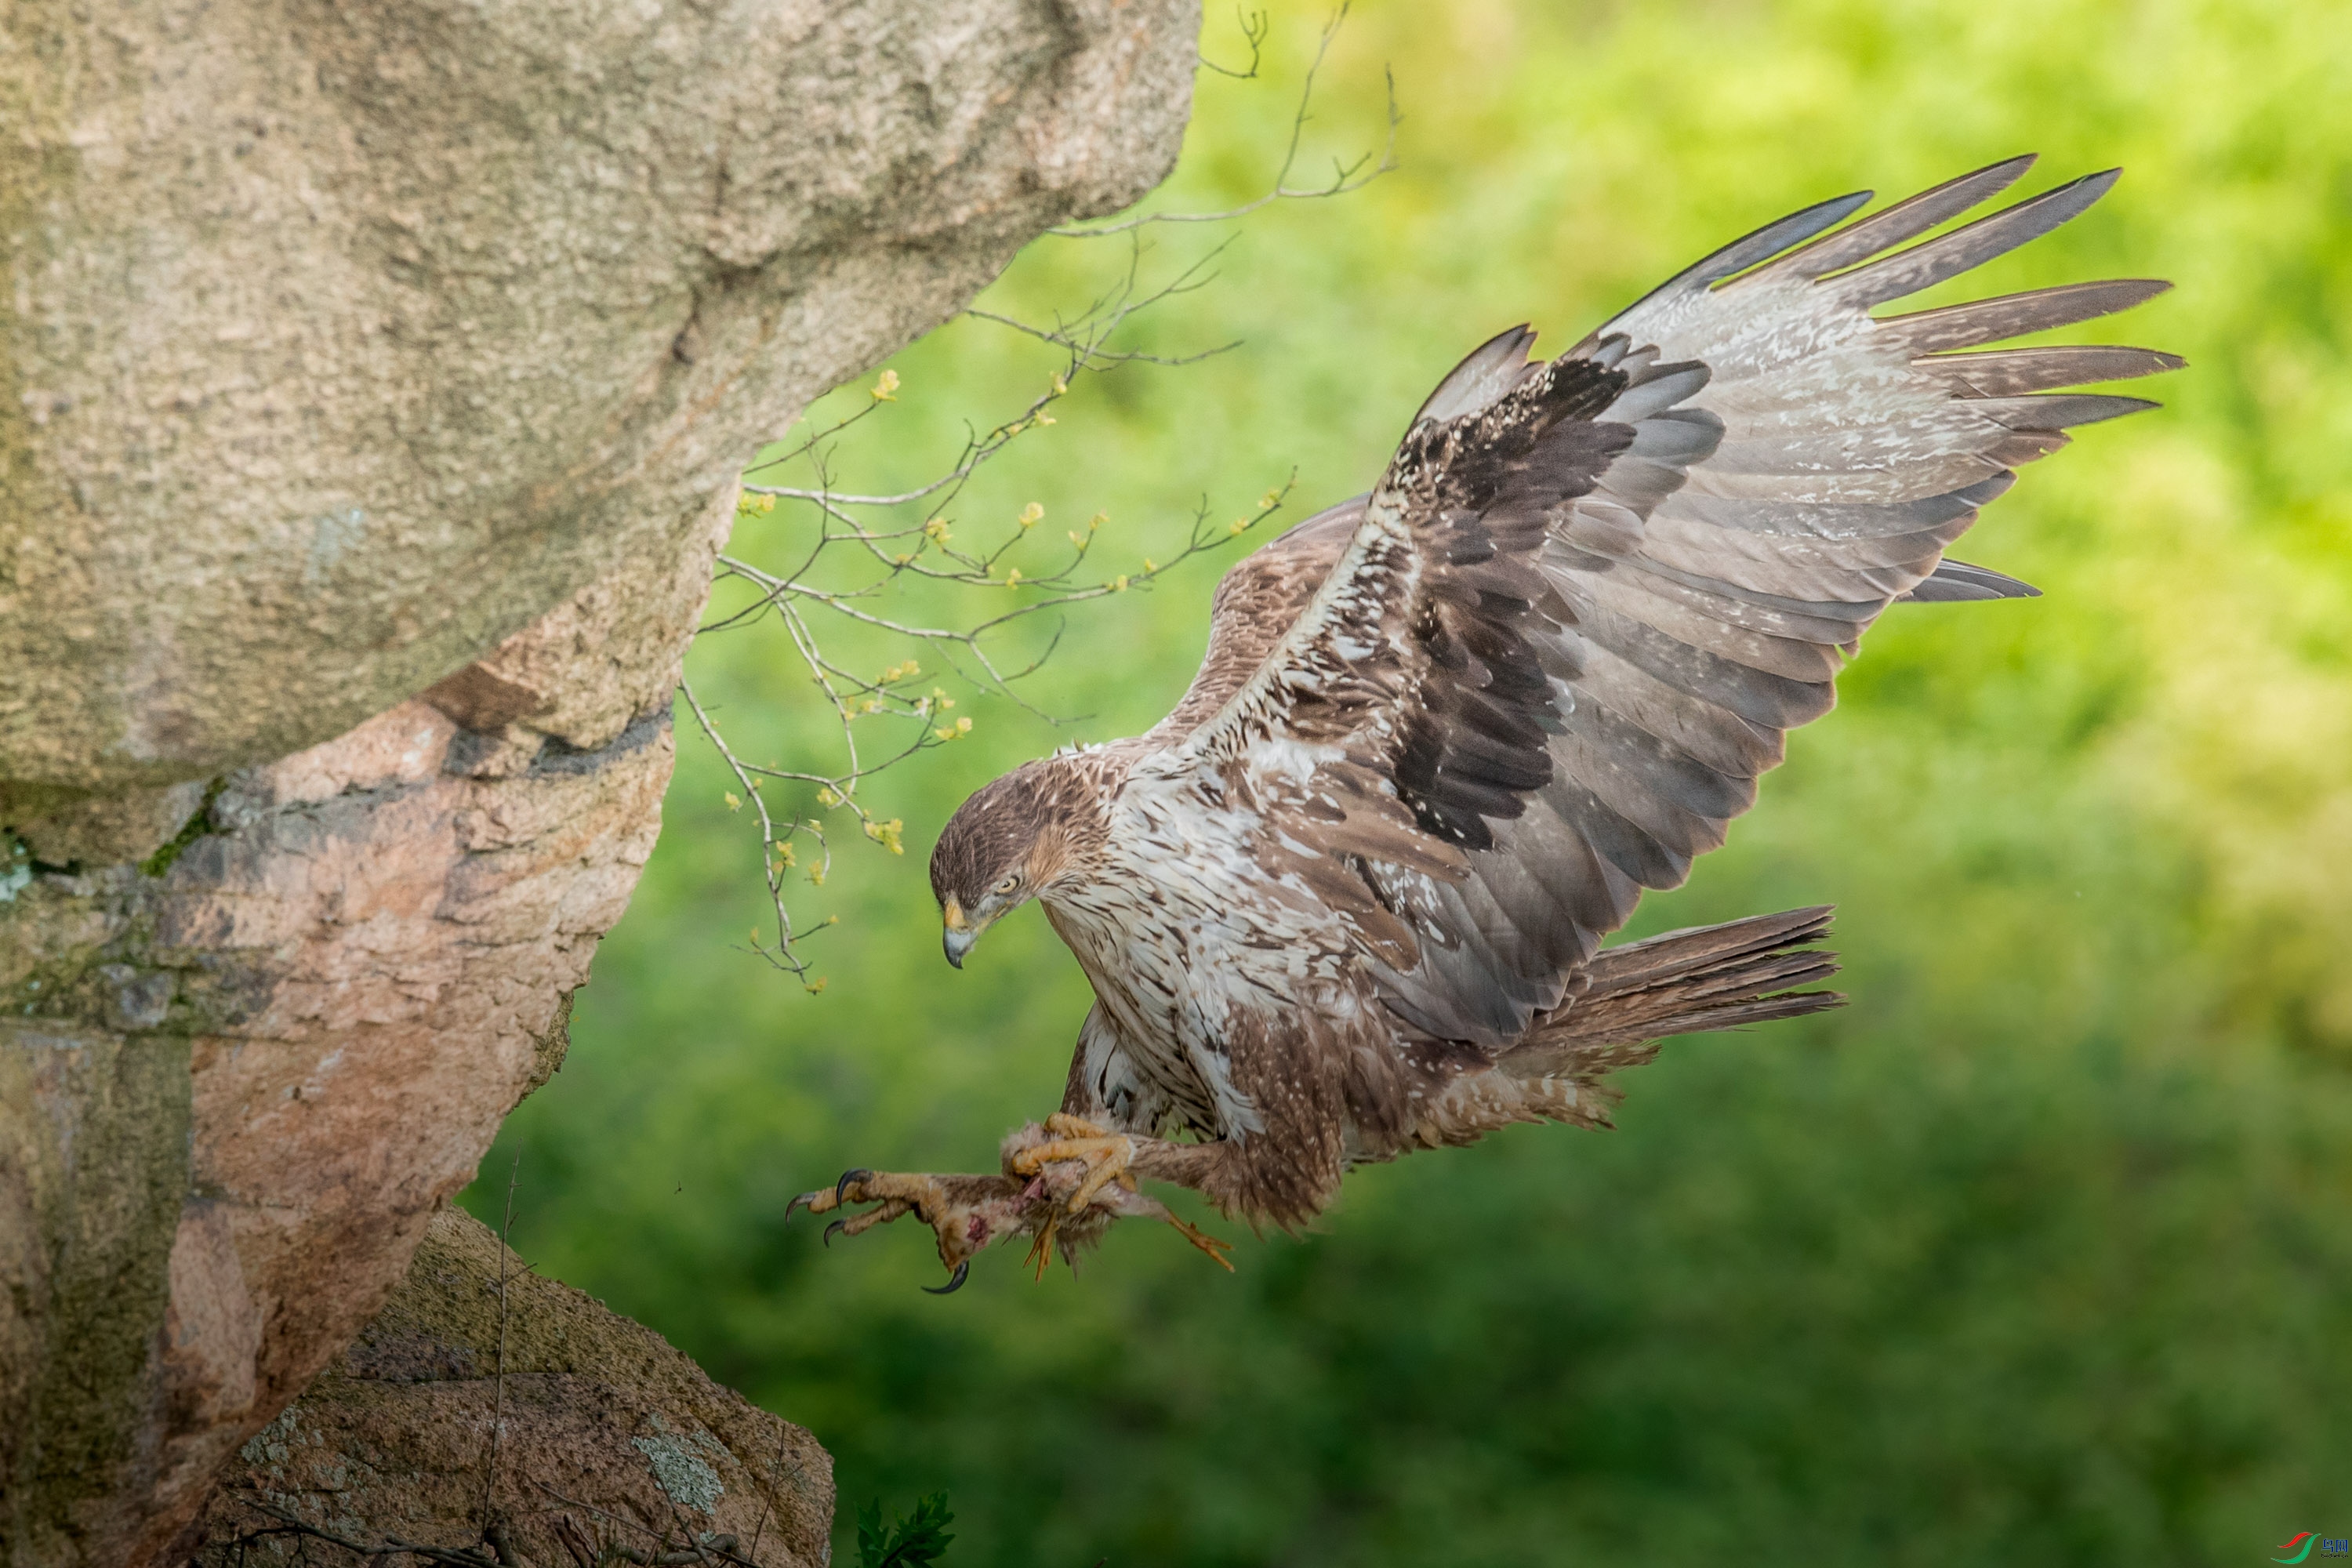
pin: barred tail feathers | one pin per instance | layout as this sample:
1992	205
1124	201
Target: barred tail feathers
1709	977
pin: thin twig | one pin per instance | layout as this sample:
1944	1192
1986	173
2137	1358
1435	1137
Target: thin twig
721	1548
1254	26
294	1525
1122	356
768	1503
498	1402
1345	177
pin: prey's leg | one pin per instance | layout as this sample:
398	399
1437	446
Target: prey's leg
965	1212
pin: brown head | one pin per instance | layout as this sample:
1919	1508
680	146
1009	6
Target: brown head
1003	848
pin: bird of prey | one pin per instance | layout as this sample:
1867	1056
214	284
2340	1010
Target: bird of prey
1347	900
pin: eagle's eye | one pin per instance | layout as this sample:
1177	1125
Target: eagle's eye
1006	886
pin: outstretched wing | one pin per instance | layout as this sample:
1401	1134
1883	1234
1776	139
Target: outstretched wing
1574	623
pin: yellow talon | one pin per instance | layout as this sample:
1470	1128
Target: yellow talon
1041	1251
1215	1248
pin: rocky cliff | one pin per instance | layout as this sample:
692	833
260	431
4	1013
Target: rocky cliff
376	381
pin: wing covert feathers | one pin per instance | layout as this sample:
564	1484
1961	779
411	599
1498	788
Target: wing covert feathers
1560	641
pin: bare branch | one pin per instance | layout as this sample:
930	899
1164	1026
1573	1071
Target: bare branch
782	955
498	1402
1126	356
851	551
1254	26
381	1549
1345	177
721	1549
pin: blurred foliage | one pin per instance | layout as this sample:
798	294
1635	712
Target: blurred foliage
2038	1254
919	1539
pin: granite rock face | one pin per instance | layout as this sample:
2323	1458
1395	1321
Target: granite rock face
341	342
238	1086
376	379
607	1437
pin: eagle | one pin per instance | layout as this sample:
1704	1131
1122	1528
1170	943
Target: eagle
1347	900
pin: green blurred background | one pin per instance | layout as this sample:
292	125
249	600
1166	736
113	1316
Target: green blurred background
2038	1253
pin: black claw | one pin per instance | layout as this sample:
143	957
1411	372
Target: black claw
834	1229
801	1202
955	1281
841	1187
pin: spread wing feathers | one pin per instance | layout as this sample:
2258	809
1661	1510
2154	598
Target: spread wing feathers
1957	581
1542	665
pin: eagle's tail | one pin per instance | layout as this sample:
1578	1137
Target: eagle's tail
1710	977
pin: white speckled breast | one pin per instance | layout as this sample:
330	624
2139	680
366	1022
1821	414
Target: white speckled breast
1182	925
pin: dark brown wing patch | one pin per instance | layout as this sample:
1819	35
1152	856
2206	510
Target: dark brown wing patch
1474	740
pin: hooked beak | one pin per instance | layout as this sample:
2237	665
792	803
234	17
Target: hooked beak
958	934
